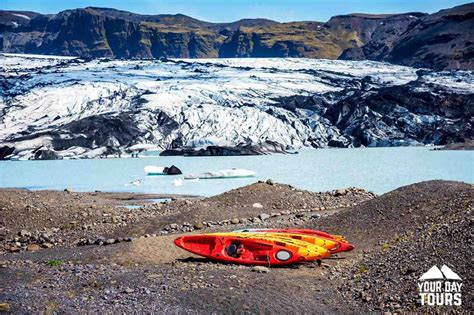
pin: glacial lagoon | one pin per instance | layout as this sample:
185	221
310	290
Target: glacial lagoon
375	169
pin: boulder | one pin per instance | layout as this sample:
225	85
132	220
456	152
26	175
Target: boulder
172	170
235	221
6	151
198	226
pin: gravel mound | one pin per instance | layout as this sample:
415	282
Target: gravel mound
433	225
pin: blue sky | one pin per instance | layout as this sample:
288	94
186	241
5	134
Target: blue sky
231	10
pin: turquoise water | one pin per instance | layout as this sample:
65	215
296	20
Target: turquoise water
376	169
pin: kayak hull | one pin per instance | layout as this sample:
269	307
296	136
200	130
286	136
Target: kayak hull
234	249
310	251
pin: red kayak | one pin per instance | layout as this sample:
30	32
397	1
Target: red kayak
343	245
239	250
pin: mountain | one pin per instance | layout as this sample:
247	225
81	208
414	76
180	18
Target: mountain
442	40
64	107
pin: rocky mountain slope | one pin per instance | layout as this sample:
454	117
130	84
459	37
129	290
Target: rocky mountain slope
442	40
58	107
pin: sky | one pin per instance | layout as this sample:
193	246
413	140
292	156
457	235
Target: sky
232	10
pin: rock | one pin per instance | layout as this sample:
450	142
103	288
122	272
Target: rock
68	190
5	307
110	241
47	245
256	220
241	149
340	192
14	249
172	170
24	233
174	226
269	182
128	290
47	154
263	216
33	248
198	226
260	269
235	221
99	241
6	151
257	205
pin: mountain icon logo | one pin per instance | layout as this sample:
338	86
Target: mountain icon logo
434	273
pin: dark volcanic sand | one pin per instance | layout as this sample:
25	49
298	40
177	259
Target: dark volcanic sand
151	274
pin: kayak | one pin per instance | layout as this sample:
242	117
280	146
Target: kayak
226	173
296	231
247	251
311	252
331	245
334	243
154	170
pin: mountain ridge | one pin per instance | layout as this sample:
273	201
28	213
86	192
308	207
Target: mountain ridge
440	40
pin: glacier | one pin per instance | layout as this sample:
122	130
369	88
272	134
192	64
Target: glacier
66	107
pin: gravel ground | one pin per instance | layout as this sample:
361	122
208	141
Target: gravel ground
398	236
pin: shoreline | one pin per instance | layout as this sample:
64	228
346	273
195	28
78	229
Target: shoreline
452	146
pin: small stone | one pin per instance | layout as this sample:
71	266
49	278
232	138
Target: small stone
263	216
68	190
24	233
33	248
260	269
5	307
128	290
174	226
257	205
47	245
110	241
99	241
198	225
14	249
235	221
269	182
